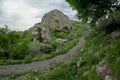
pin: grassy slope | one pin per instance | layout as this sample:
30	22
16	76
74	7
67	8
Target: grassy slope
96	44
26	35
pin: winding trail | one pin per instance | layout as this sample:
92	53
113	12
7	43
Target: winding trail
40	65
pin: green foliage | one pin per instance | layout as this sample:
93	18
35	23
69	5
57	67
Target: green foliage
14	44
7	42
61	35
58	34
54	53
27	34
20	51
104	22
93	75
94	9
112	53
10	61
99	43
36	48
60	74
94	43
27	59
90	58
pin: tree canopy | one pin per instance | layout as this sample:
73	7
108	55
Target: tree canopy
92	10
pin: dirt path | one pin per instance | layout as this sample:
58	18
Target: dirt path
66	58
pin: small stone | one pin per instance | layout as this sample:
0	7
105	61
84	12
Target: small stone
36	71
115	34
86	73
12	75
36	79
81	50
118	59
102	69
108	77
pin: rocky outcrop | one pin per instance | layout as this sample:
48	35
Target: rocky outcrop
56	20
105	73
40	33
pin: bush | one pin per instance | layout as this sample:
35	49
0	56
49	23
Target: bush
90	58
61	35
20	51
36	48
58	34
27	59
4	55
63	50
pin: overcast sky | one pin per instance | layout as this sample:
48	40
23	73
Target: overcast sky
22	14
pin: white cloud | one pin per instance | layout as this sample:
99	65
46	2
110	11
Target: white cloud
22	14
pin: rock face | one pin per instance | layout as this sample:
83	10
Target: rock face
105	73
42	32
115	34
56	20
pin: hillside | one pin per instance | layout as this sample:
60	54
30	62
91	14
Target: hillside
39	42
95	57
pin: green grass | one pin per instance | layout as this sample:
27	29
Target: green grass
107	49
93	75
112	53
64	49
29	59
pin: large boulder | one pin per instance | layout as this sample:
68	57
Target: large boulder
104	71
40	33
56	20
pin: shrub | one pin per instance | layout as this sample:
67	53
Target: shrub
61	34
27	59
63	50
90	58
20	51
39	48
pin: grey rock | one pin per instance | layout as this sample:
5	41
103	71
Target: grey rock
36	78
102	69
34	33
108	77
118	59
42	31
104	72
115	34
96	54
86	73
111	77
61	40
56	20
45	34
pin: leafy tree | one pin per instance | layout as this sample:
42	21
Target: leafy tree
92	10
13	38
20	51
3	39
8	40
